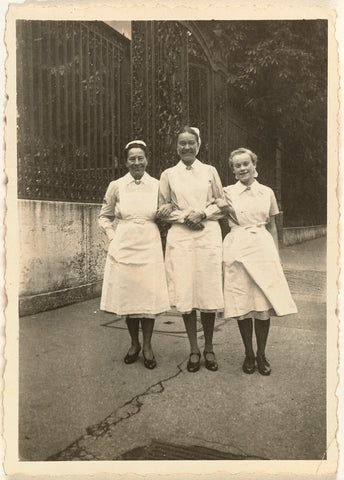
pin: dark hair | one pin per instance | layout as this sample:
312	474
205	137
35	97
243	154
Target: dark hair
135	145
188	129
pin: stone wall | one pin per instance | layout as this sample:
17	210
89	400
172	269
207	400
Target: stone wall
62	254
292	235
63	251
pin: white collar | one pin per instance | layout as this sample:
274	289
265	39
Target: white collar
181	165
254	187
128	178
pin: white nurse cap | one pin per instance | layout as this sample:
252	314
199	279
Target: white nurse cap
140	142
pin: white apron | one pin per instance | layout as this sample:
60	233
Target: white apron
134	277
194	258
254	282
253	277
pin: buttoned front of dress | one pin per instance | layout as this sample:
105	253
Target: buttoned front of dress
188	189
253	205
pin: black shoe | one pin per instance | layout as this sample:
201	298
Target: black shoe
263	365
210	364
193	366
132	358
249	366
150	364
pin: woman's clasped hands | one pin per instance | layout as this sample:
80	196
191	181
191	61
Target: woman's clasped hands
164	211
193	220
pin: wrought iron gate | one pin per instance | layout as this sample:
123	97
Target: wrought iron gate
178	79
84	90
73	101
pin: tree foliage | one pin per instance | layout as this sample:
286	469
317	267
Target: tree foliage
280	76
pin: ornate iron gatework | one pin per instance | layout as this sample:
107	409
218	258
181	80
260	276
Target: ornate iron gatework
73	102
180	77
84	91
159	88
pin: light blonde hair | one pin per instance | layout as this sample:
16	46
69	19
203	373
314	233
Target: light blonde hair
239	151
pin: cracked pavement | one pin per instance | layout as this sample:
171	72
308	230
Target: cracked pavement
79	401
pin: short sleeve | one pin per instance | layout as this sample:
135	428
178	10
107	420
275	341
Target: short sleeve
227	193
274	210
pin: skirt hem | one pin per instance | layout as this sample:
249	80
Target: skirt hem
135	315
265	315
204	310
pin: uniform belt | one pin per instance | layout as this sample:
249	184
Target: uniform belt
251	228
140	221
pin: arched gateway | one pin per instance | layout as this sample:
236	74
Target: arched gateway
179	77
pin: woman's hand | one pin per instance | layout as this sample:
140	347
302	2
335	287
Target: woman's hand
194	217
222	204
226	207
193	220
195	226
272	228
164	211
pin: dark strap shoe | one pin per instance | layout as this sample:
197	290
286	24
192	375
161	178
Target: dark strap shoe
263	365
132	358
249	365
210	363
193	366
149	363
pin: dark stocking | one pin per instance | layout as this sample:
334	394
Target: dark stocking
147	325
246	330
133	327
208	321
190	322
261	328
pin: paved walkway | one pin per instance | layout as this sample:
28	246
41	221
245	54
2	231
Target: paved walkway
79	401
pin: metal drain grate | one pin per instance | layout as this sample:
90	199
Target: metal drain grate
168	451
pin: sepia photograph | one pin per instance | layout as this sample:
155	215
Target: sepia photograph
171	194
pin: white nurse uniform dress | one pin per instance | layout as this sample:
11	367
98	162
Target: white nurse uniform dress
193	259
254	282
134	278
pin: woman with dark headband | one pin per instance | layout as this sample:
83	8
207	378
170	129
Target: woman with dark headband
194	243
134	285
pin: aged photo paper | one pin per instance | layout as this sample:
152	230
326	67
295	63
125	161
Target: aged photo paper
81	78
